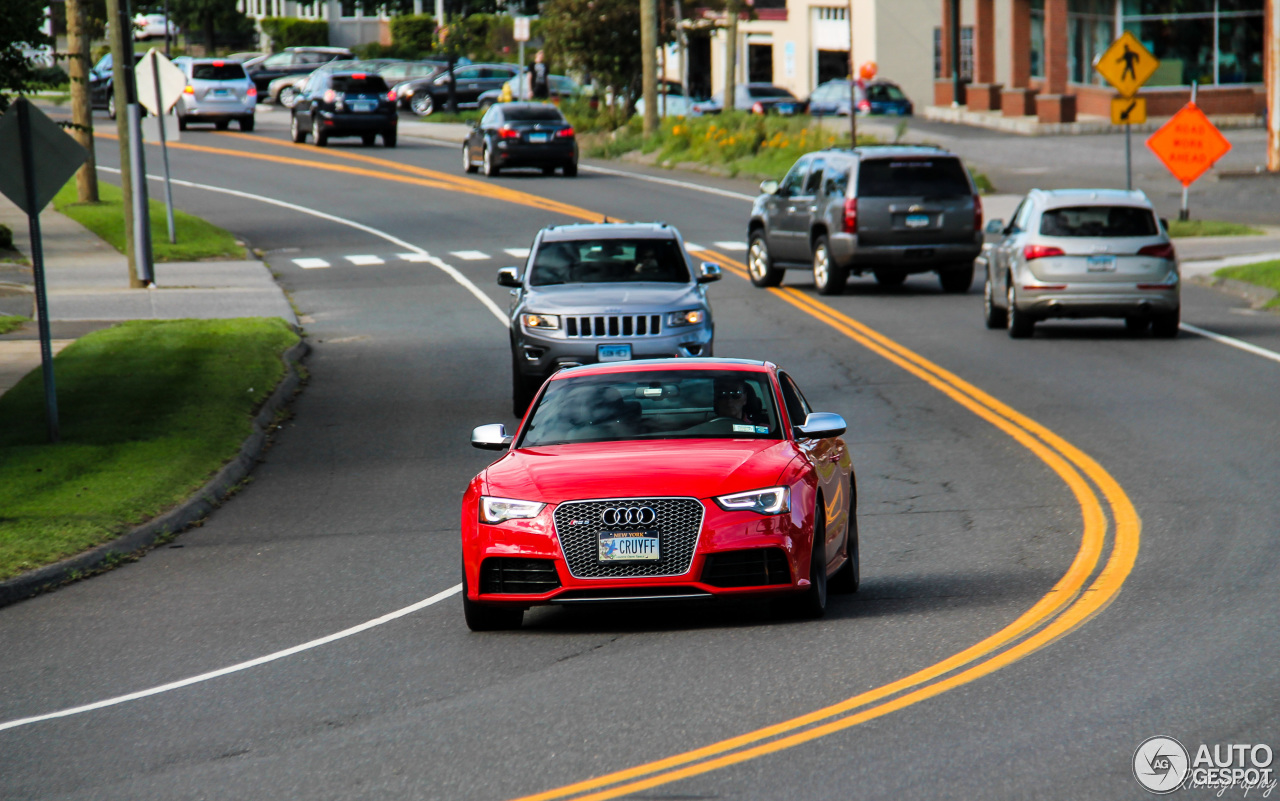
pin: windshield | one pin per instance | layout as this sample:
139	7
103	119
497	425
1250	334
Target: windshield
659	404
1098	221
609	261
910	177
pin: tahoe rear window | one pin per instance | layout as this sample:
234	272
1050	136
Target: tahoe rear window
1099	221
368	85
928	177
217	72
609	261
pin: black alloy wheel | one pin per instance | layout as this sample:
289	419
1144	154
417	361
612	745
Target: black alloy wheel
812	603
847	579
760	264
956	279
246	123
389	138
1165	326
1021	324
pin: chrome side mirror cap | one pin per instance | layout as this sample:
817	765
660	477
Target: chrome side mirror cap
995	226
821	425
509	276
708	272
492	437
769	187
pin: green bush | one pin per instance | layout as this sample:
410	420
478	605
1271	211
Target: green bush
415	32
293	32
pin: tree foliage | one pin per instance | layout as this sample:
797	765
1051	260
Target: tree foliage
599	37
215	20
20	22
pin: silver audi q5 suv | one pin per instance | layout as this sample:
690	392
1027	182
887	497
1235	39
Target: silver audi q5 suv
604	292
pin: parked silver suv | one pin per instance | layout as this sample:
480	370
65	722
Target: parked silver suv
1082	253
217	91
886	209
604	292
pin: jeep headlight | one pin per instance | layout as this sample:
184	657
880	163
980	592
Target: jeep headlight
687	317
545	322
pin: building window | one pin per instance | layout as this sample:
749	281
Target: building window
1202	41
832	14
1091	28
1036	56
759	63
966	53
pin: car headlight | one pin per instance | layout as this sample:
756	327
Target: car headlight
688	317
498	510
547	322
771	501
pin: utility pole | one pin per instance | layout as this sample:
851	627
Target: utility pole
81	110
680	49
1272	64
648	63
957	82
133	186
731	56
853	85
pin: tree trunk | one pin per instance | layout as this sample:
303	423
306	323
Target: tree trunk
648	67
81	107
731	55
123	53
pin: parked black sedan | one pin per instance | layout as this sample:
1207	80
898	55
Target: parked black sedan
521	135
426	96
341	103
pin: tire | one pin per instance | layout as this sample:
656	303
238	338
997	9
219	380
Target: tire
182	123
424	105
296	131
995	318
246	123
288	97
522	391
760	264
828	277
890	279
847	579
318	133
368	139
1137	326
1021	324
490	169
482	617
571	169
222	125
1165	326
466	160
812	603
388	138
957	279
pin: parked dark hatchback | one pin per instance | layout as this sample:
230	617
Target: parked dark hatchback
429	95
292	61
877	97
521	135
340	103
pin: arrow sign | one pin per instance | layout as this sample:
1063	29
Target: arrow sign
171	82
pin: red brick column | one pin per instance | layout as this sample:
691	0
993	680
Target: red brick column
942	88
984	93
1054	104
1017	100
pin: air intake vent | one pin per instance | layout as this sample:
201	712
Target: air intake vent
508	574
749	568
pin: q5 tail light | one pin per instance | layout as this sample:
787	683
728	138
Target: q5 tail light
1164	251
564	133
1040	252
252	91
851	215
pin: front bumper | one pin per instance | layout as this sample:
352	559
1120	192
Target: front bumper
542	355
849	252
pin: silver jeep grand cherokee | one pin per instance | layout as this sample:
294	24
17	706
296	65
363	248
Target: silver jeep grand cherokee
604	292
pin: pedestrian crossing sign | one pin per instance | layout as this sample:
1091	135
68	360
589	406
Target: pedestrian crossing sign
1126	64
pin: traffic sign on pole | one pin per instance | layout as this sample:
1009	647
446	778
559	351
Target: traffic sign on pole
521	32
154	72
1128	110
1126	64
1188	144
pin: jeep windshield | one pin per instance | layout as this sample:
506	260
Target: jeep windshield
609	261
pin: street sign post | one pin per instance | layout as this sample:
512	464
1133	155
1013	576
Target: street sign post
521	35
160	83
1127	65
1188	145
36	159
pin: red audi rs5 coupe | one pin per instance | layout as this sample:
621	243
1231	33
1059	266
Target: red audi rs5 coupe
660	480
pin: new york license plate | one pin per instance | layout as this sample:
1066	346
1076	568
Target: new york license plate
629	546
613	353
539	138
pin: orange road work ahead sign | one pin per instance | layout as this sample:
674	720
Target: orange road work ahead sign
1188	144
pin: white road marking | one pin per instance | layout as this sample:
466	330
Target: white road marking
731	245
262	660
311	264
517	253
1232	342
692	248
364	261
470	255
653	179
413	257
445	267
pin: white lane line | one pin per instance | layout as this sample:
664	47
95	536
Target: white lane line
262	660
470	255
445	267
692	248
1232	342
731	245
517	253
413	257
653	179
364	261
311	264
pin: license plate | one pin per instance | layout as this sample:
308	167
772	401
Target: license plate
629	546
917	220
786	108
362	108
613	353
1102	264
219	92
539	138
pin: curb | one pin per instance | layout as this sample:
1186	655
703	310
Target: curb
134	544
1258	296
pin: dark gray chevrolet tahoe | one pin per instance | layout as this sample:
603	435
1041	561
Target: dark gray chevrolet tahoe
889	210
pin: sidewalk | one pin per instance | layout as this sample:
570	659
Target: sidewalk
88	287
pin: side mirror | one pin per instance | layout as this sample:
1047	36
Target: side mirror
708	272
995	226
509	276
820	425
492	437
769	187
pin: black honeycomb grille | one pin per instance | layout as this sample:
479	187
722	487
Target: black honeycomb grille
678	522
747	568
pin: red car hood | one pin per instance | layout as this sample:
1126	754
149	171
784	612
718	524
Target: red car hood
699	468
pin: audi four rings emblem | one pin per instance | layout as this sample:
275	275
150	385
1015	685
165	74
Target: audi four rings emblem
633	516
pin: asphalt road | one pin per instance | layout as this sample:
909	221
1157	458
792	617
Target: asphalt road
967	523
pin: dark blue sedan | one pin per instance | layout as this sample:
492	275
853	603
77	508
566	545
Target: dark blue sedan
876	97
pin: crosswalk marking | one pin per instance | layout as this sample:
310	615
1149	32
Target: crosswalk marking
731	245
311	264
414	257
364	261
517	253
470	255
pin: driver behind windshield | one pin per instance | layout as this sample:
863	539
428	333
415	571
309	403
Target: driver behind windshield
733	398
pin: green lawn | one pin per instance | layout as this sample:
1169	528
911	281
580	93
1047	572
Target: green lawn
10	322
197	239
1181	228
1265	273
148	411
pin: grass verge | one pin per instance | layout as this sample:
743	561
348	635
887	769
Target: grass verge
1265	274
197	239
11	322
468	115
148	411
1184	228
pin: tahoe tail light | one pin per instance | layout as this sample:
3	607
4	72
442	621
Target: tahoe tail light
1040	252
508	133
252	91
977	214
851	215
565	133
1164	251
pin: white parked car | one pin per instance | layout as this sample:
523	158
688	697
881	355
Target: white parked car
152	26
